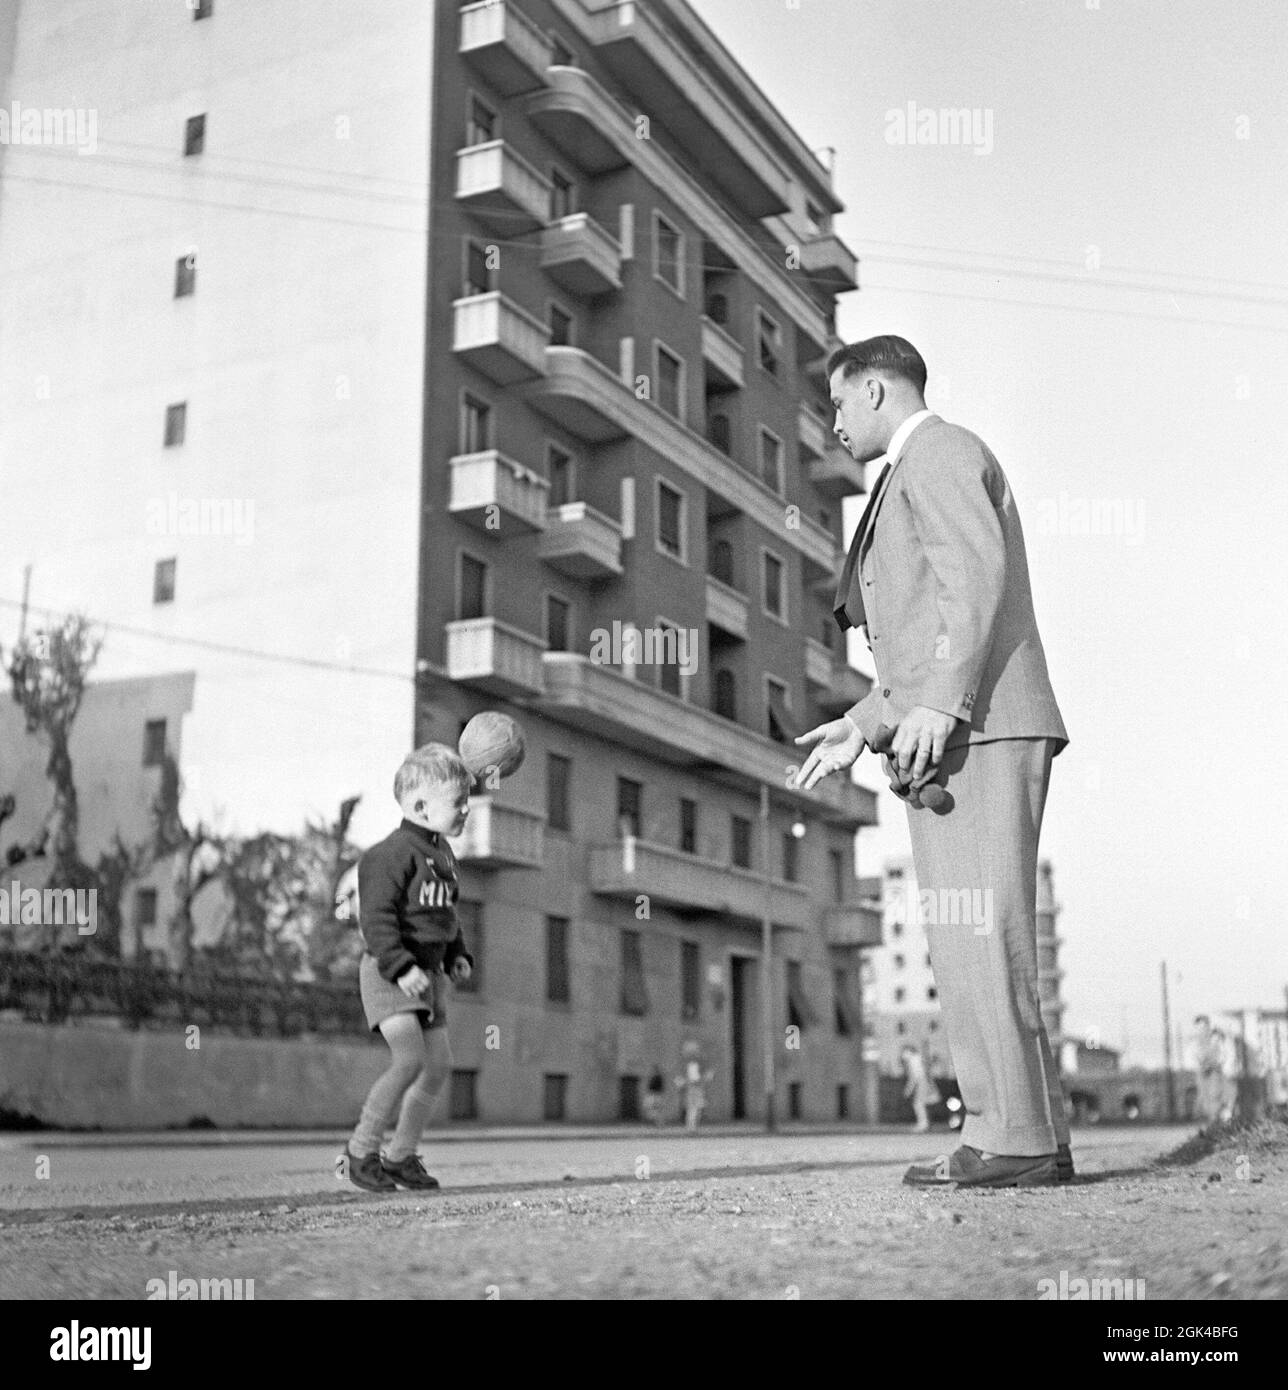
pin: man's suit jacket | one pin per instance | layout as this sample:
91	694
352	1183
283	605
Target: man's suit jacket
941	578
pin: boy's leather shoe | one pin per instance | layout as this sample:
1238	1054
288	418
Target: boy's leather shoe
368	1173
409	1172
967	1168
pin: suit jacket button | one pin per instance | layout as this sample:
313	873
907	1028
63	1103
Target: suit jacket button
886	692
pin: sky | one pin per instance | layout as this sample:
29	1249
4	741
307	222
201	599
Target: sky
1101	293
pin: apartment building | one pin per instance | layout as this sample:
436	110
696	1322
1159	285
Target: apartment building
509	319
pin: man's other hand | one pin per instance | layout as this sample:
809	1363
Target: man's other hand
836	745
920	739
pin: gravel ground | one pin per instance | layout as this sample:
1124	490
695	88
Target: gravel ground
781	1217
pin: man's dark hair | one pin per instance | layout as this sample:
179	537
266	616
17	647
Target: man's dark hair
890	354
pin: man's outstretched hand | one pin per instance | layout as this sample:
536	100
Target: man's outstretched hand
836	745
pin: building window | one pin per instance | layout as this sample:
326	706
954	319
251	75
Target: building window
690	981
791	857
185	276
720	433
726	694
558	785
896	929
842	1102
630	795
669	675
559	475
668	254
634	999
800	1013
670	375
722	562
775	597
480	278
476	426
470	916
718	308
670	520
464	1095
628	1098
899	994
558	986
163	581
901	1028
154	743
176	424
795	1100
145	908
560	327
836	863
473	590
740	837
932	993
480	125
202	9
771	461
840	985
558	623
769	340
554	1098
779	723
563	196
688	825
194	135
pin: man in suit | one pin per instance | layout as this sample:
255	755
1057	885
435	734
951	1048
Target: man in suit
937	579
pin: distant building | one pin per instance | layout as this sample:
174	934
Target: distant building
1049	973
1081	1058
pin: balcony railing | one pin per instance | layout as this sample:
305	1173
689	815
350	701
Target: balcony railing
685	881
581	256
828	260
490	655
501	188
852	925
500	837
581	541
844	690
497	495
723	353
837	473
583	396
726	608
505	46
501	340
812	433
600	700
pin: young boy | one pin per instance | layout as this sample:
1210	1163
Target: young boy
407	892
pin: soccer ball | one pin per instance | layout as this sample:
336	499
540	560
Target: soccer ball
491	740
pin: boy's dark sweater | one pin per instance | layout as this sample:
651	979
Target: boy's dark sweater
407	892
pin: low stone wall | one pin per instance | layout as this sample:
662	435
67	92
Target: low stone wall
95	1075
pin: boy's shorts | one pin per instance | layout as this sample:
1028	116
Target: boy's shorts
381	998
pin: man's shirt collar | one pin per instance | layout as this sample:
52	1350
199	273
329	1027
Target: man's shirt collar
900	436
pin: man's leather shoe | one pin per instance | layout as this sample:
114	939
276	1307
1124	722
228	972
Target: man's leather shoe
966	1167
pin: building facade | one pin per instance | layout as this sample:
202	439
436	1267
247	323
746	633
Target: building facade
509	320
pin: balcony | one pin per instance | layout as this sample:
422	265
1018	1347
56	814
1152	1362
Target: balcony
581	542
828	260
662	75
502	44
501	188
580	255
587	399
688	883
500	837
599	700
818	664
722	353
726	608
580	119
836	473
497	495
852	925
844	690
492	656
502	341
812	433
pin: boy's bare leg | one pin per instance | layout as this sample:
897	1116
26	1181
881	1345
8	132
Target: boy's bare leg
403	1033
420	1098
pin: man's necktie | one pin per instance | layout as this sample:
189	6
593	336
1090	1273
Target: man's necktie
852	556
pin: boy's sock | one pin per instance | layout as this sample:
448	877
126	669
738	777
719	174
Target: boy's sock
417	1107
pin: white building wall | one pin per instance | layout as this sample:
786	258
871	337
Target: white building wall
301	357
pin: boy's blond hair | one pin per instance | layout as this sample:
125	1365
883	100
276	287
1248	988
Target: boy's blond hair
431	764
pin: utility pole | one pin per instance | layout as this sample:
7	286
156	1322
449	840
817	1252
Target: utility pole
1167	1049
26	594
767	959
